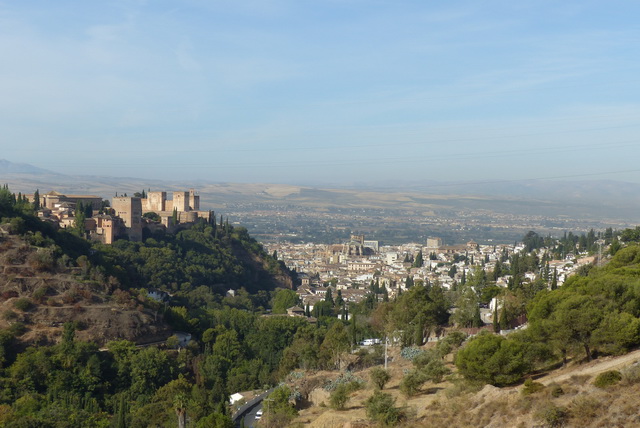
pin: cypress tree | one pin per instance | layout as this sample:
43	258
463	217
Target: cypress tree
36	200
504	323
477	319
174	216
354	330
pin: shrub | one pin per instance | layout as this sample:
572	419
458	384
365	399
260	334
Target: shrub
22	304
451	341
462	386
585	407
556	390
431	365
381	408
607	379
39	294
631	374
339	397
531	387
412	382
17	226
42	260
278	406
17	329
9	315
553	416
172	342
379	377
69	297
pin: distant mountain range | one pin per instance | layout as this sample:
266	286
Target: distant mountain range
7	167
601	199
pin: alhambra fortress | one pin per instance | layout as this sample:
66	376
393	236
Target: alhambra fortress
125	215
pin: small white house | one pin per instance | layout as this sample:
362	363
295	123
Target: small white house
234	398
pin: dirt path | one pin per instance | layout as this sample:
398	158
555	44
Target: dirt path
592	368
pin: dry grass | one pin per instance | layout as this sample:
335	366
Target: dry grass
568	398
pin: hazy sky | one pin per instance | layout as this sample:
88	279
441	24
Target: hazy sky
333	91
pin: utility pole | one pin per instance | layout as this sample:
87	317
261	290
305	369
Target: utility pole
600	242
266	412
386	354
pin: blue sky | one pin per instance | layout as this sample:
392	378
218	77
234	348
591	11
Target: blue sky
330	92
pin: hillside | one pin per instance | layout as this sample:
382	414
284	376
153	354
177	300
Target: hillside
43	299
567	397
49	277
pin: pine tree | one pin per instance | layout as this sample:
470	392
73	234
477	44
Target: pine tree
554	281
496	323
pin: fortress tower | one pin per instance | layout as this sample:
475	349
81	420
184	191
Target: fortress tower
194	201
156	201
130	211
181	201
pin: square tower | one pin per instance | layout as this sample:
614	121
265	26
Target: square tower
156	201
194	200
181	201
130	211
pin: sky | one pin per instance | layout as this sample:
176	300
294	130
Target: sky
323	92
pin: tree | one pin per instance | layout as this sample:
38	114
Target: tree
277	407
180	407
379	377
417	312
322	309
408	283
419	261
339	300
335	343
493	359
79	218
466	314
453	271
412	382
174	216
283	300
36	200
328	297
339	397
381	408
